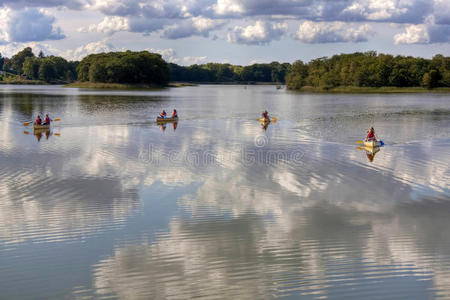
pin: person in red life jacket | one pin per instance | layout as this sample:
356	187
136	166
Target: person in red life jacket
371	135
265	115
47	120
38	120
163	114
174	114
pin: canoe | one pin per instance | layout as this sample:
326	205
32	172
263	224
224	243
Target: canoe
264	121
371	150
161	120
372	144
41	127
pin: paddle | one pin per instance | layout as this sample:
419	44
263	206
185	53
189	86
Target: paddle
28	123
360	142
274	120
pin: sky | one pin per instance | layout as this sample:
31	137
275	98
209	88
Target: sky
232	31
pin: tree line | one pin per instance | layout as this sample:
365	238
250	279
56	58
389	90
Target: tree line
367	69
52	69
214	72
370	69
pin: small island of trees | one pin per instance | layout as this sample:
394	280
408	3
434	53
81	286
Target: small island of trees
124	67
340	73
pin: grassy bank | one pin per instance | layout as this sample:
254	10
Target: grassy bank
113	86
371	90
20	81
181	84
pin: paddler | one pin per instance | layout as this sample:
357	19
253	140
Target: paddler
38	120
174	114
265	115
163	114
47	120
371	135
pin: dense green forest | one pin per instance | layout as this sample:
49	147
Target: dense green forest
370	69
367	69
215	72
124	67
51	69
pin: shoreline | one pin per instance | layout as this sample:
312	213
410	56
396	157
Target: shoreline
119	86
305	89
25	82
369	90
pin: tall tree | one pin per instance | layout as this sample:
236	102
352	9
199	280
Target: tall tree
18	59
46	71
31	67
2	61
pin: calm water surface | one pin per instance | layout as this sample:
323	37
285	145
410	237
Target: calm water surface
109	204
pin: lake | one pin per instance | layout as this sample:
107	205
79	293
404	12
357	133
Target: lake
110	204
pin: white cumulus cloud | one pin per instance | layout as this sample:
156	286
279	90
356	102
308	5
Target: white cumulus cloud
332	32
414	34
195	26
9	49
28	25
225	7
109	25
397	11
170	55
424	34
90	48
261	33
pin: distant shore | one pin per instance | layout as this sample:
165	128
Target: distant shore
370	90
305	89
120	86
100	85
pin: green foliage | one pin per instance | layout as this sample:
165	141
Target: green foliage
124	67
431	79
295	79
49	69
2	61
31	67
17	60
215	72
370	70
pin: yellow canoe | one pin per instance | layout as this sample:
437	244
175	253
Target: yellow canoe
372	144
162	120
41	127
264	120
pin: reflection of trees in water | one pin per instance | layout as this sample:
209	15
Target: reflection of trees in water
93	104
29	105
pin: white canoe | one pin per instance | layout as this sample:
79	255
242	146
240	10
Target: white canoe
372	144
